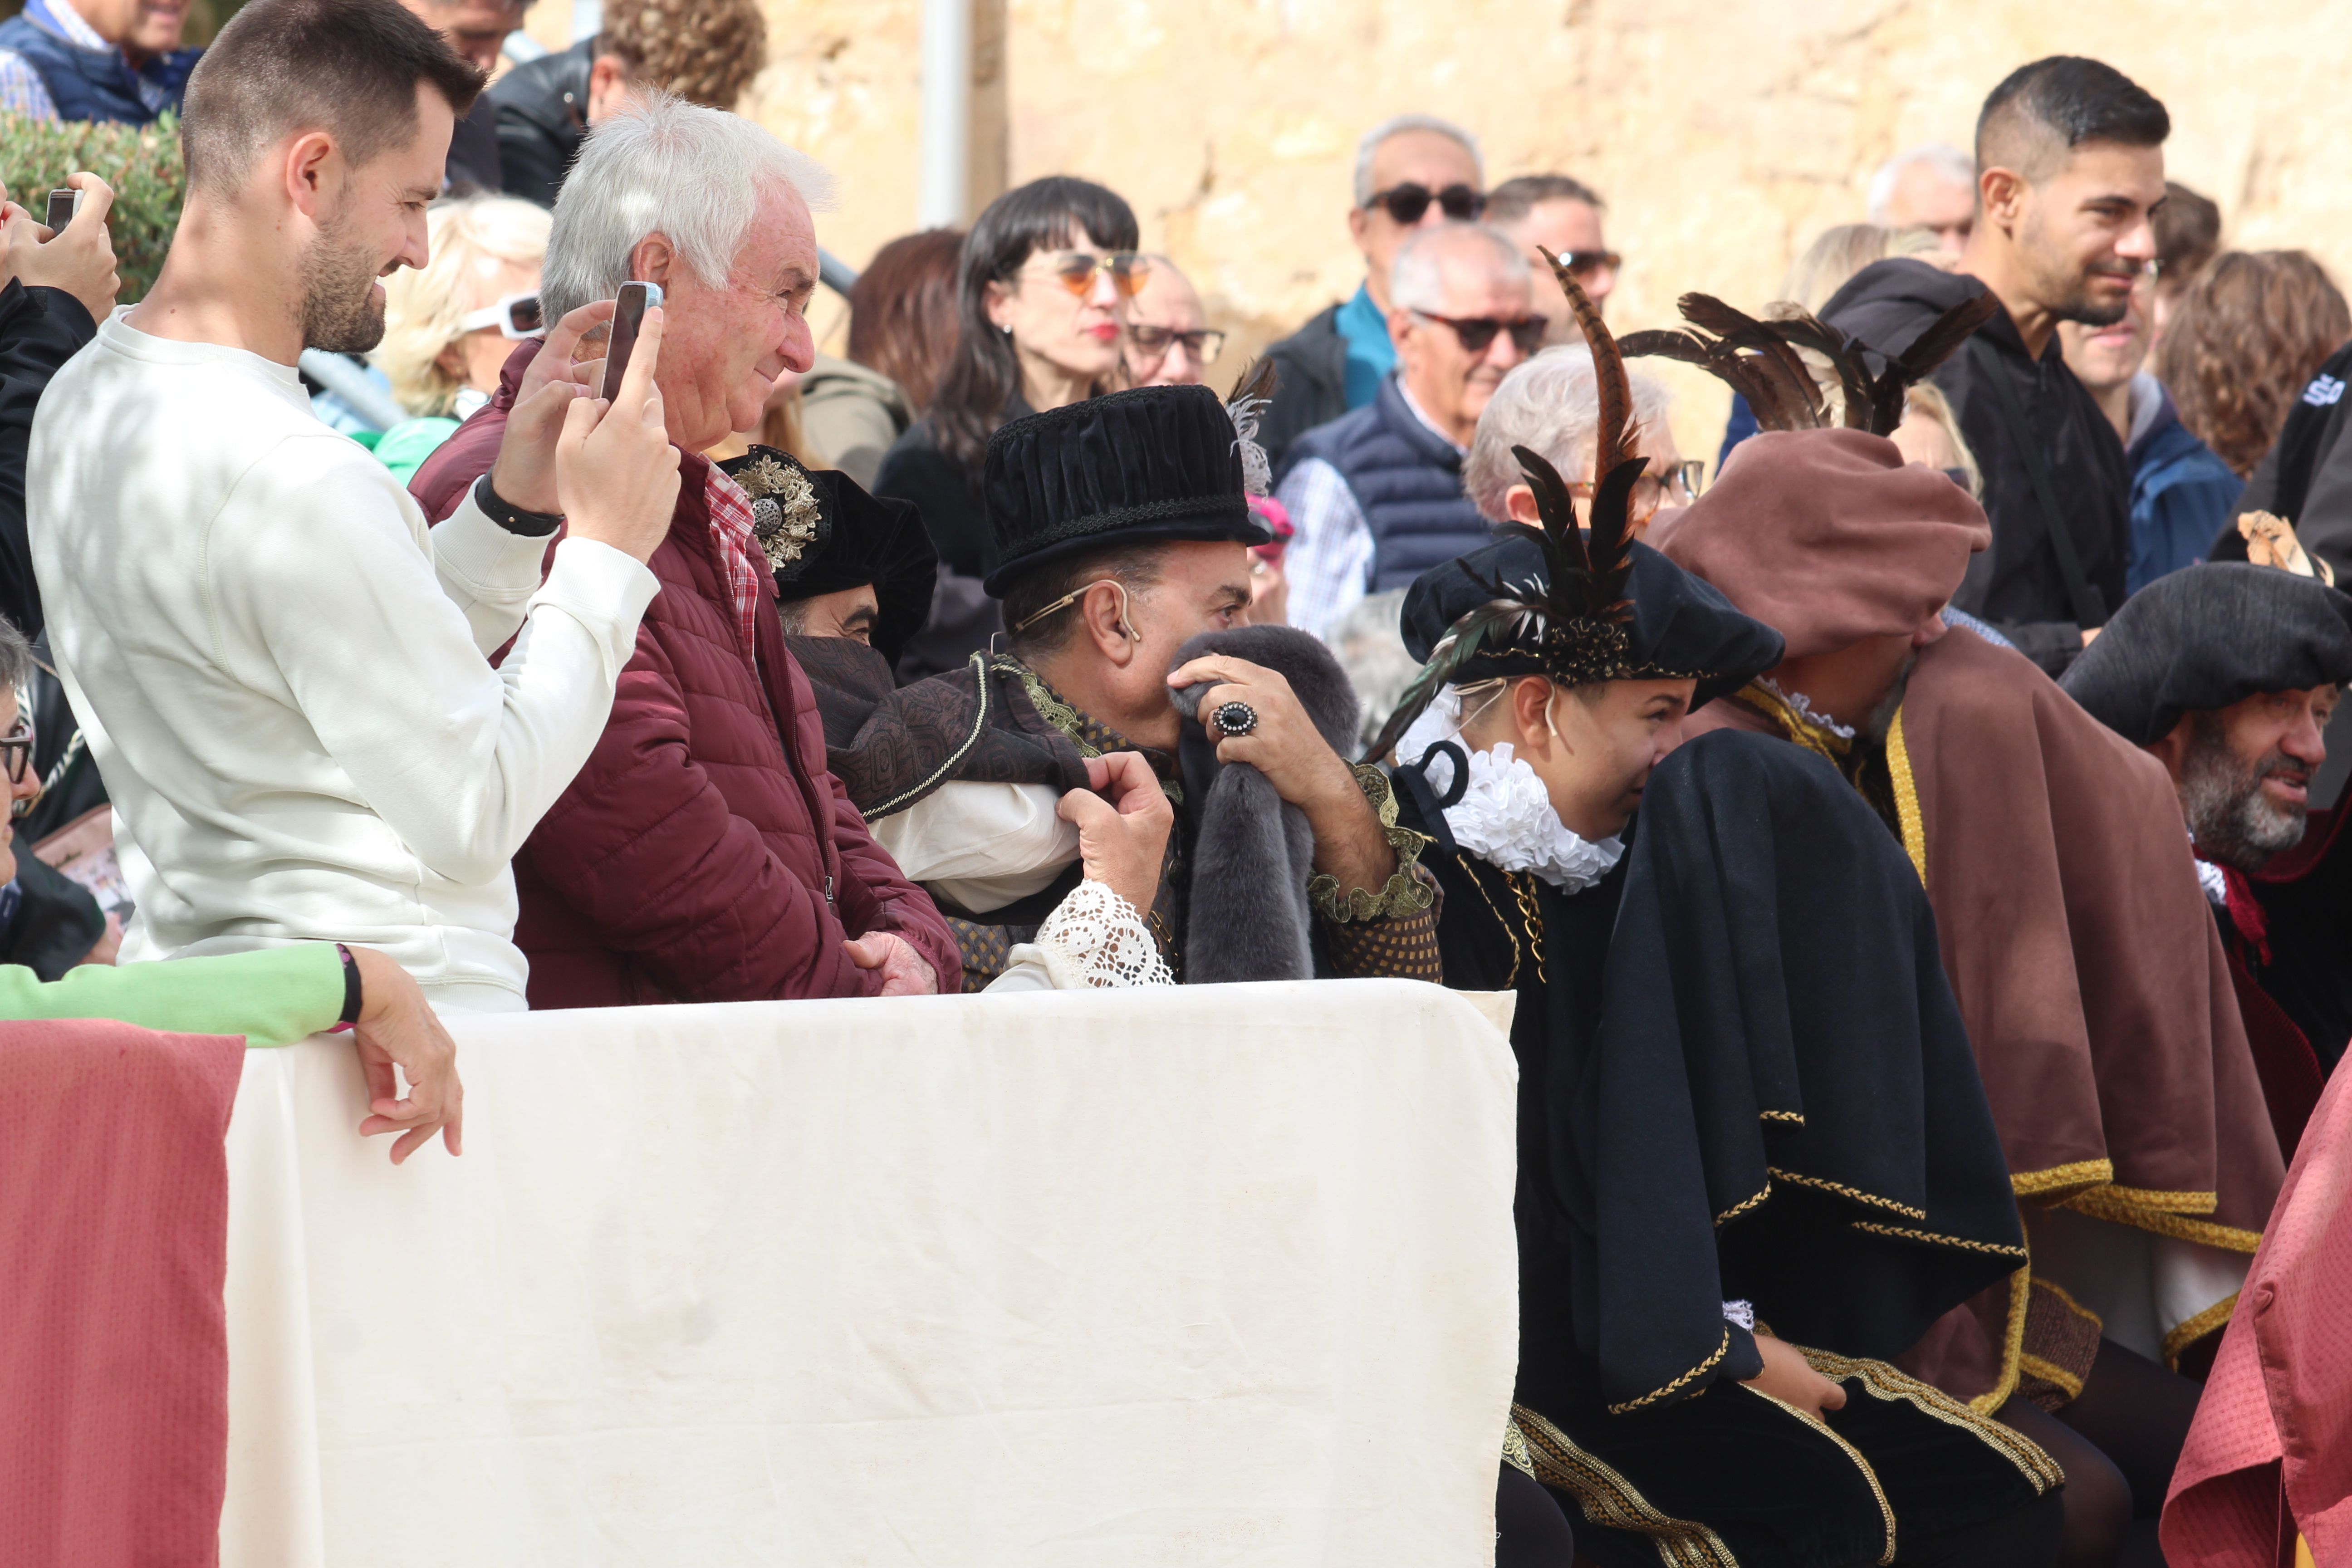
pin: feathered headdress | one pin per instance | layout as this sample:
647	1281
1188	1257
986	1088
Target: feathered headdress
1581	610
1760	361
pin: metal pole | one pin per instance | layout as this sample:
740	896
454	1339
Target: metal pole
947	113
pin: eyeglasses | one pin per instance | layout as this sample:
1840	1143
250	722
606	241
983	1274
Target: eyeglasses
1152	343
1077	268
1407	203
1679	484
516	317
16	756
1584	264
1478	331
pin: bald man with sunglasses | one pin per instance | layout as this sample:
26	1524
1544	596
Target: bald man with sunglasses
1376	494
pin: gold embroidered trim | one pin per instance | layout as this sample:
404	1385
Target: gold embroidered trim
1885	1510
2012	1345
1607	1499
1759	698
2068	1302
2163	1202
1907	1234
1795	1118
2098	1205
2188	1330
1523	889
1515	1451
1404	893
2050	1371
1842	1190
1891	1385
1744	1205
1068	720
1701	1369
2063	1179
1906	798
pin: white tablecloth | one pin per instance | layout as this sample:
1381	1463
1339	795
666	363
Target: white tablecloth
1215	1275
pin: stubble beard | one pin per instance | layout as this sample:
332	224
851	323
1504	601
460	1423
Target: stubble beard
340	311
2232	821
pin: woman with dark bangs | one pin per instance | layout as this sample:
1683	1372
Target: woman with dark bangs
1042	299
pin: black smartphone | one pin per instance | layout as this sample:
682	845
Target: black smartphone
628	314
63	204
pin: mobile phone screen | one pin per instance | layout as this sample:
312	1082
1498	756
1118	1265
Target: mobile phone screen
63	205
628	314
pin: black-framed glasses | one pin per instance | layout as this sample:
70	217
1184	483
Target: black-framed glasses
1407	203
1477	332
1582	264
1152	343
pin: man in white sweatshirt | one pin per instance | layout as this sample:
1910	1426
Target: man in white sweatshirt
283	677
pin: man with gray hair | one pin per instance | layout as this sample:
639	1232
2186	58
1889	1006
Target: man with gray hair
1412	172
1931	186
1376	494
706	853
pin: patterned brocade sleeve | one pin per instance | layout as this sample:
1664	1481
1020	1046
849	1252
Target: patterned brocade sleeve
1391	933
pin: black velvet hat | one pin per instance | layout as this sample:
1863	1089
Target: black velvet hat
1681	628
822	532
1156	463
2207	636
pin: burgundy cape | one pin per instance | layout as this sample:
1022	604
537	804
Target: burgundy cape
2269	1454
706	853
113	1342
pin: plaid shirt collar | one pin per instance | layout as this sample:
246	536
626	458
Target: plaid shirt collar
740	555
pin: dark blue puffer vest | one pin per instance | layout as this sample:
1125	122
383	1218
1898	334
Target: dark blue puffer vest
91	84
1408	480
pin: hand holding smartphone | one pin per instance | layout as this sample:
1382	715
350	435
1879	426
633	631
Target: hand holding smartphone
63	204
629	316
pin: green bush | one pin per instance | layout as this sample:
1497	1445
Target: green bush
140	162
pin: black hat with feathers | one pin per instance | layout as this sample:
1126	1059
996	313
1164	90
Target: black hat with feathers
1574	607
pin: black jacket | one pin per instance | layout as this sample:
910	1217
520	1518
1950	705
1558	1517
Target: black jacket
2307	477
963	617
474	164
542	110
40	328
1313	362
2016	585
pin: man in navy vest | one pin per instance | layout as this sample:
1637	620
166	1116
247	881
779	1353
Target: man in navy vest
95	60
1376	494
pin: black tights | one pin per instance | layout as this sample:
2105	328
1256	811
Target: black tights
2117	1444
1531	1530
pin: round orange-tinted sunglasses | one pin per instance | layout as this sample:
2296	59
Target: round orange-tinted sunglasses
1076	271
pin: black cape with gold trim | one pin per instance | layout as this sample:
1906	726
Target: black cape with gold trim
1742	1077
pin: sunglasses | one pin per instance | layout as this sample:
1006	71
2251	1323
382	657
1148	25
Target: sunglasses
1407	203
1475	334
1077	269
1152	343
516	317
1585	263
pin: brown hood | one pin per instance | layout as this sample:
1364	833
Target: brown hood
1828	537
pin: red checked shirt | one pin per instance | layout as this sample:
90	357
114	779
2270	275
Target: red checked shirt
746	563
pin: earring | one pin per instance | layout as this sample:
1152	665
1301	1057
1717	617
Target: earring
1006	328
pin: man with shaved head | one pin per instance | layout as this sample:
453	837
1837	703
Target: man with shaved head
2069	171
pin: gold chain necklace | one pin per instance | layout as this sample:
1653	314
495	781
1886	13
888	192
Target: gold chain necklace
1523	888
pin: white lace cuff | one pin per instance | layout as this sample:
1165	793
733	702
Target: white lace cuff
1100	941
1740	1312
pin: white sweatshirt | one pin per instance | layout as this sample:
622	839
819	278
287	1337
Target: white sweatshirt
283	676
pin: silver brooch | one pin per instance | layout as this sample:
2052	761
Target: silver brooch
785	515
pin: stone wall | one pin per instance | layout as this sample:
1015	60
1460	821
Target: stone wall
1723	135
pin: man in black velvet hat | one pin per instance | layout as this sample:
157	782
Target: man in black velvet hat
2227	673
1122	527
849	566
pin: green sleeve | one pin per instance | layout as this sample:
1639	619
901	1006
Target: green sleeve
273	996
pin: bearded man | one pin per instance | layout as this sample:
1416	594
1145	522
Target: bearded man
2227	673
285	682
2070	169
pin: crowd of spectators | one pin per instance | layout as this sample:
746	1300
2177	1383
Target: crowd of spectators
1011	649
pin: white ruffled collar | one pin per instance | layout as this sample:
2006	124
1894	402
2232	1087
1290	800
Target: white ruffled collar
1505	816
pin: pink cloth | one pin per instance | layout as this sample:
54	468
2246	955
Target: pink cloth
113	1346
2271	1451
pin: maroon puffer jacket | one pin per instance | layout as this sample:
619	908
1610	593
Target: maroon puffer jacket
691	860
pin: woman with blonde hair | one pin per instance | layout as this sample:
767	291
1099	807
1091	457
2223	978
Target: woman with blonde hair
450	326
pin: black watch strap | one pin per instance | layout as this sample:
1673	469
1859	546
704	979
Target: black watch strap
512	518
353	999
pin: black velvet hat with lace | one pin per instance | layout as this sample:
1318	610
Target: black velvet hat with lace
822	532
1158	463
1680	627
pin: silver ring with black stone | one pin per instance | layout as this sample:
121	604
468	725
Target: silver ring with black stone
1234	720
